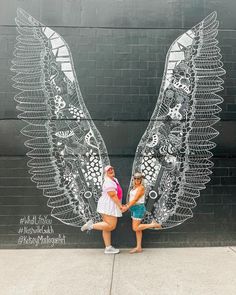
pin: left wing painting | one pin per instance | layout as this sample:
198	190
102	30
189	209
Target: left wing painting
67	152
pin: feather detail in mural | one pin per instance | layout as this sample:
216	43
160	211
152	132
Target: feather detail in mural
174	151
67	152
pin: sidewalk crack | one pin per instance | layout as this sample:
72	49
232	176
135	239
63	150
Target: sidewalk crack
112	272
232	249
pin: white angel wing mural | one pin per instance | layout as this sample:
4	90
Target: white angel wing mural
67	151
174	151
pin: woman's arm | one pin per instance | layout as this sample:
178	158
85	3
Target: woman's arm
115	199
138	195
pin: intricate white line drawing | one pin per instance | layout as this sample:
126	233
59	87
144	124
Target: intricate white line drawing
173	153
68	153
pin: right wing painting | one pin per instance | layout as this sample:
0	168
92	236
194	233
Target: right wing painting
67	151
173	153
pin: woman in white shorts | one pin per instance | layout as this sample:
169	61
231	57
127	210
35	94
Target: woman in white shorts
109	206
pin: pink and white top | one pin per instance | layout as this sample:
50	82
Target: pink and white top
110	185
105	203
119	189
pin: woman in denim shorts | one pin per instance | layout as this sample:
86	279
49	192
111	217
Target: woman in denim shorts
137	209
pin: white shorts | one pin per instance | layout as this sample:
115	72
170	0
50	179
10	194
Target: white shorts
108	207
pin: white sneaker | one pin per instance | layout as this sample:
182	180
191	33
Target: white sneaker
87	226
111	250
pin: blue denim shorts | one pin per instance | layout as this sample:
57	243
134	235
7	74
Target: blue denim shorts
138	211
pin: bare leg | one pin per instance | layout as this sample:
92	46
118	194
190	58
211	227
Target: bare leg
102	226
107	225
106	231
106	237
138	228
146	226
139	234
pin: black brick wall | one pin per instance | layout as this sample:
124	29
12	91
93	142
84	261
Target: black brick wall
119	50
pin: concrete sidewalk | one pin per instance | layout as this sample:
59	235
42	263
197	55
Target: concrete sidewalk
165	271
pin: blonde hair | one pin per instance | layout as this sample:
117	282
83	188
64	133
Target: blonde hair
141	176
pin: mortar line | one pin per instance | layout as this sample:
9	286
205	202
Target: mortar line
112	273
108	27
232	249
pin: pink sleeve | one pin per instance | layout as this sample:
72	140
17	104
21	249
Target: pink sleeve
109	186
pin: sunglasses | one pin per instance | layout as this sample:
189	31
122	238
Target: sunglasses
137	178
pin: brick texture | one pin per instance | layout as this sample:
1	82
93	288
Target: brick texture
119	51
